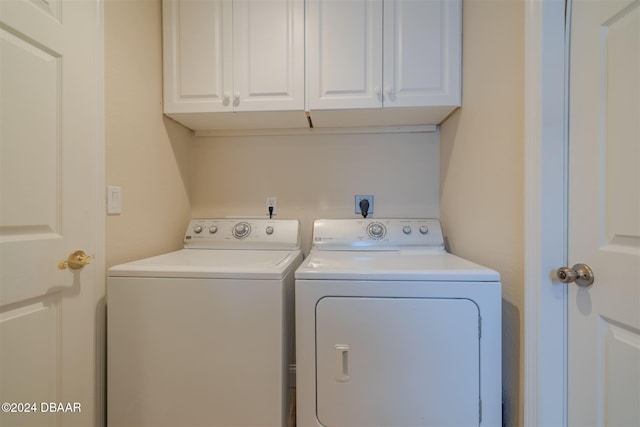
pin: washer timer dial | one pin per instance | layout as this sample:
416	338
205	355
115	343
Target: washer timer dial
241	230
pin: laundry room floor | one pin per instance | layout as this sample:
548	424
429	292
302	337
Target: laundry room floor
291	417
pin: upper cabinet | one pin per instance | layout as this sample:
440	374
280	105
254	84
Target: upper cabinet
232	56
368	62
384	55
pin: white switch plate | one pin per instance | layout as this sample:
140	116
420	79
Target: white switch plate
114	200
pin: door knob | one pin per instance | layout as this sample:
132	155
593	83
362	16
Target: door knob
580	273
75	261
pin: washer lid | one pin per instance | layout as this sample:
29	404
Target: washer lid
210	263
425	265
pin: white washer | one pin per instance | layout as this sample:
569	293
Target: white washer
393	331
204	336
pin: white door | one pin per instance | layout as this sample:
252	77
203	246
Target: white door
422	51
198	56
51	202
604	213
344	54
268	51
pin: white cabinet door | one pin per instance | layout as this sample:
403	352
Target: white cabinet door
379	54
268	50
198	62
240	55
344	54
422	53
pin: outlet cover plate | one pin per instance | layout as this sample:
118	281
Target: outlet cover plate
358	198
272	202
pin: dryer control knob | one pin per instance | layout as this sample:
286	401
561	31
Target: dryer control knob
406	229
269	230
197	229
241	230
376	230
213	229
424	229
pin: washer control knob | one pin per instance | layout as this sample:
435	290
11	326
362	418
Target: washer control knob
376	230
406	229
269	230
213	229
424	229
241	230
197	229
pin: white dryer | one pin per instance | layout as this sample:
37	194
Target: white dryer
391	330
204	336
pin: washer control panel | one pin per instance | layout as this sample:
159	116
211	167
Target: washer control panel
243	233
377	234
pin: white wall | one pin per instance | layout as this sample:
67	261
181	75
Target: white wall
167	175
316	176
482	169
146	153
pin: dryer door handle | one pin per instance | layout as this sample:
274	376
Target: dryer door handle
342	363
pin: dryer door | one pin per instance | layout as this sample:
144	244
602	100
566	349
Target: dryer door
397	362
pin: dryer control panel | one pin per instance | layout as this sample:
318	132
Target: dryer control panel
243	233
377	234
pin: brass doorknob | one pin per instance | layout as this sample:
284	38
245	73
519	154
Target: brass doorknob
75	261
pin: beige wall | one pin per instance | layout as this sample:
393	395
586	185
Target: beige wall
482	169
316	176
146	154
167	175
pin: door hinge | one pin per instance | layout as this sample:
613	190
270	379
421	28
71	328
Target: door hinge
480	411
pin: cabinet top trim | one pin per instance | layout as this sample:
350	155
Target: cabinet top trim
320	131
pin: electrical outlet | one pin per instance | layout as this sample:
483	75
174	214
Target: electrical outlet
272	202
359	198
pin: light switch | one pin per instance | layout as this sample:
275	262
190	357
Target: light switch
114	200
